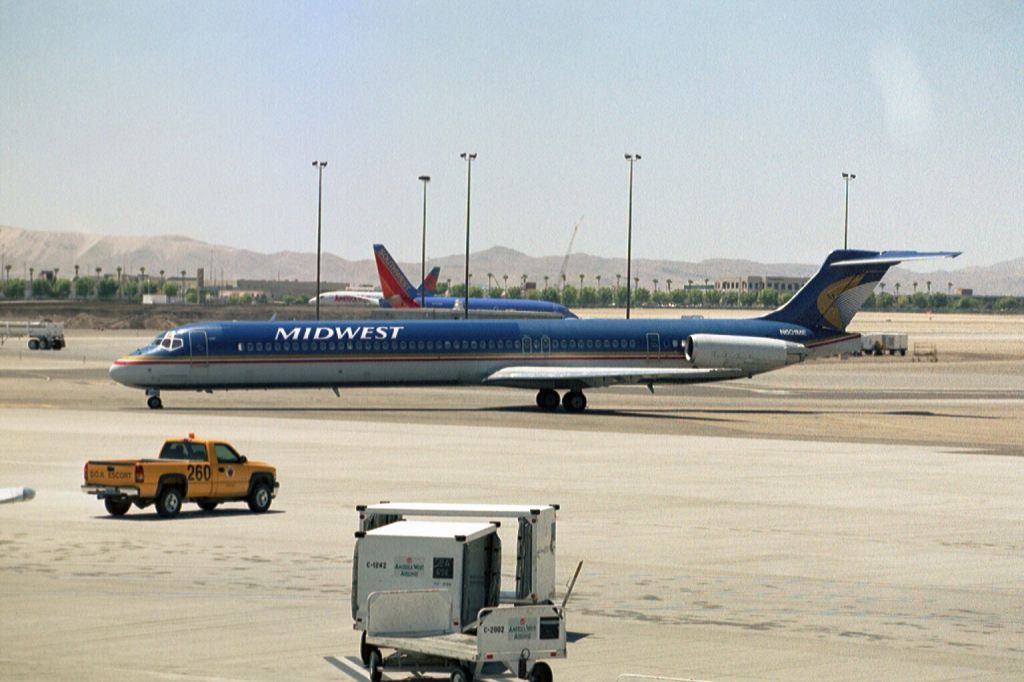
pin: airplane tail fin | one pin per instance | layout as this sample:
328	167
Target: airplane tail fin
394	285
830	299
429	285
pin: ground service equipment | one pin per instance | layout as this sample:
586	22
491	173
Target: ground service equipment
877	343
535	540
429	593
43	335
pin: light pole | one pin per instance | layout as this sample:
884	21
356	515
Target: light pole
629	231
846	213
319	165
423	249
469	184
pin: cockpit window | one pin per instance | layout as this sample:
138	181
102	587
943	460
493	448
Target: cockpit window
170	341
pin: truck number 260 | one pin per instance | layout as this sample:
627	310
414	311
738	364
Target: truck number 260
198	472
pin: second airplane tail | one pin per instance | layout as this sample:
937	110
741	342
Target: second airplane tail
830	299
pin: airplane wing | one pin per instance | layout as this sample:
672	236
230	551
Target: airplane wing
597	377
16	495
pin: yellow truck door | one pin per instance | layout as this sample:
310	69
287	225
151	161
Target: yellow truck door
232	476
198	471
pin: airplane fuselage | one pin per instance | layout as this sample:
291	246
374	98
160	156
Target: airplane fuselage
225	355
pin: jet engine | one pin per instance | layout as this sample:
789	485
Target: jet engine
751	354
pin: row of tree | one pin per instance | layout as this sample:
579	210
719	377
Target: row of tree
699	297
132	290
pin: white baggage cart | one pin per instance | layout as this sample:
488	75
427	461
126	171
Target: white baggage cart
426	594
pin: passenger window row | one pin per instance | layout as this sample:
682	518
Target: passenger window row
535	344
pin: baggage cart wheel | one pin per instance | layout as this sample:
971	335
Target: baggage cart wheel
460	674
375	665
364	649
541	673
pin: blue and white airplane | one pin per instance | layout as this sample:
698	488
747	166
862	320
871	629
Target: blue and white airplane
399	294
376	298
544	355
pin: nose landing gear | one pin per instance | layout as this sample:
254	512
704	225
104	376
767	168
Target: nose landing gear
153	400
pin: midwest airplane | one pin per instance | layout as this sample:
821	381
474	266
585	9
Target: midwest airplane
396	286
376	298
542	355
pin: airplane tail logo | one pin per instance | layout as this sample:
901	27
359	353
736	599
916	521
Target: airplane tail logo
830	299
395	286
429	285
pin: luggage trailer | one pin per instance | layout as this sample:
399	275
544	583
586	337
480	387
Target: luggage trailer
447	614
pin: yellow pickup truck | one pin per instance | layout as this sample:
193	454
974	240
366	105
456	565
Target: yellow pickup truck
191	469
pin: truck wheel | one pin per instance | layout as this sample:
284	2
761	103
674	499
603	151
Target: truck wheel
259	498
207	505
541	673
117	507
376	672
33	344
168	504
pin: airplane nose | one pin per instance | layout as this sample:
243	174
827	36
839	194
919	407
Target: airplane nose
120	373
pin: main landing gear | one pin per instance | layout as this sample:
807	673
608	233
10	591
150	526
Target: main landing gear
572	401
153	398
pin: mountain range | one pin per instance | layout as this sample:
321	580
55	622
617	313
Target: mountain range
42	250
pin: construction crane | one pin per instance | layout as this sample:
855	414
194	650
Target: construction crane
568	251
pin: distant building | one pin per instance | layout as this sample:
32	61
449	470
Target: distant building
759	283
961	291
278	289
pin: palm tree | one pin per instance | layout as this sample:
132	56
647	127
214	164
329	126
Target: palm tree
76	270
915	287
669	283
949	288
119	281
617	278
546	277
598	278
581	280
897	285
505	278
142	272
655	280
929	285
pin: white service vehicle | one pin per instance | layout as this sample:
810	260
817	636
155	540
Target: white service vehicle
878	343
43	335
429	591
535	539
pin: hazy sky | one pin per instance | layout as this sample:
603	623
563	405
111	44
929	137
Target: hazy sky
203	119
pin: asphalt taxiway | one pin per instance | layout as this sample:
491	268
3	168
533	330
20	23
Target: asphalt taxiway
844	519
